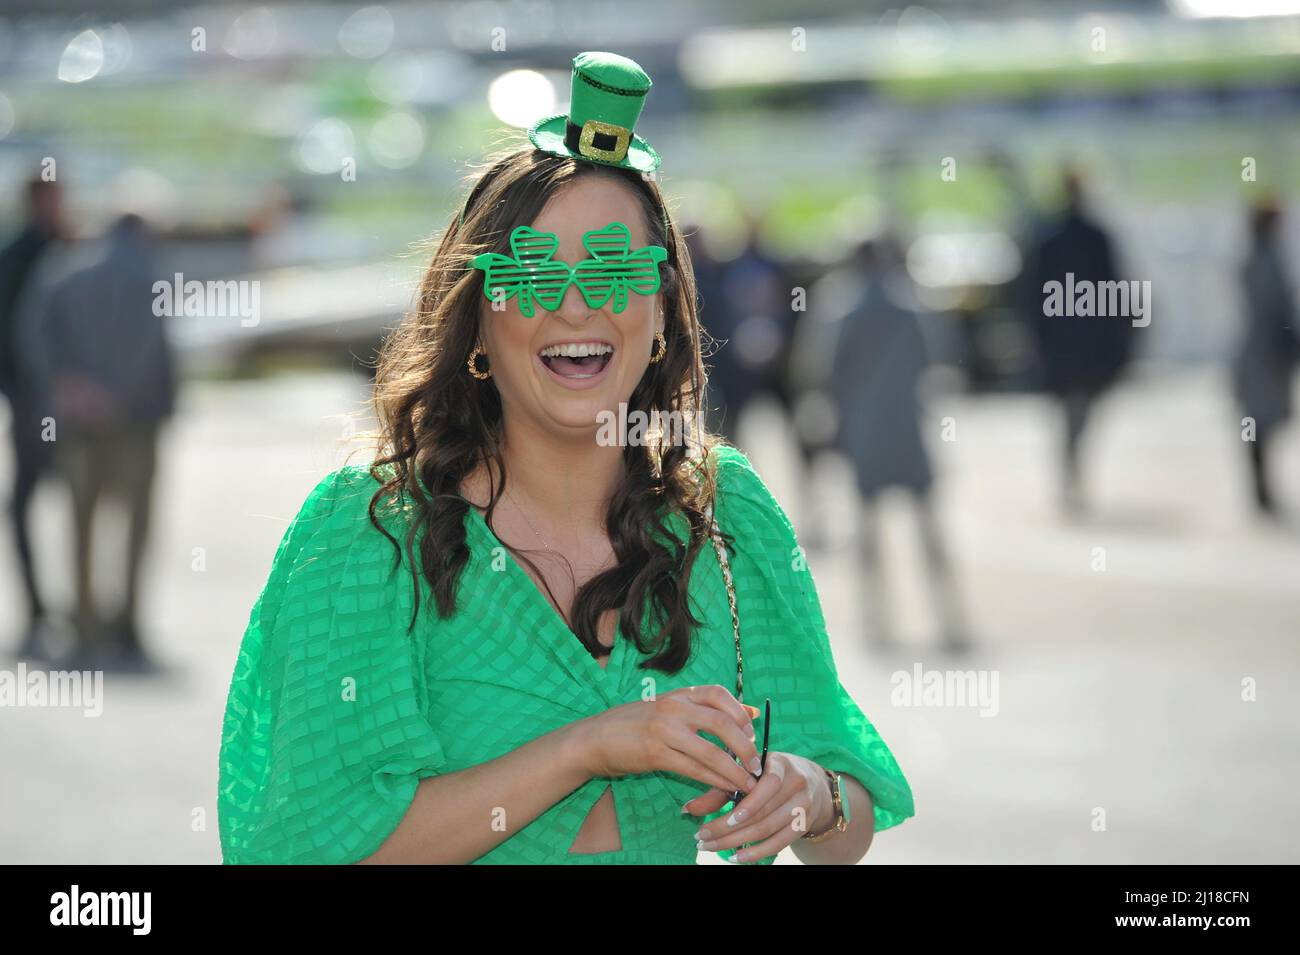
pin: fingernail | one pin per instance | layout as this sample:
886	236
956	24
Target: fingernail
705	846
756	765
741	856
735	817
685	804
699	834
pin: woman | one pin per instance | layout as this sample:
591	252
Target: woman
510	641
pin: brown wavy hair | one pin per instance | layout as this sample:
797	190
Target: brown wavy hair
438	423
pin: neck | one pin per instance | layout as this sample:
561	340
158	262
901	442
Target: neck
571	481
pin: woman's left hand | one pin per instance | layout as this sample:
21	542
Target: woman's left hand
790	799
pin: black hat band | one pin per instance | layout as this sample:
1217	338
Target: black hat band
603	142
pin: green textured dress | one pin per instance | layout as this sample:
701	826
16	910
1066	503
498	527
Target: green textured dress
335	713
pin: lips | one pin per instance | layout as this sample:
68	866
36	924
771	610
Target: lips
577	361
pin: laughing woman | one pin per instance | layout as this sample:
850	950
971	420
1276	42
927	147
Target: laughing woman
511	640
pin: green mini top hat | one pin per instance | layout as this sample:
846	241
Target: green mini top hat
607	92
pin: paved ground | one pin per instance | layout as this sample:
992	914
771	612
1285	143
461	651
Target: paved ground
1119	689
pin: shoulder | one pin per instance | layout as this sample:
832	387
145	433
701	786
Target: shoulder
745	506
335	514
733	472
331	555
735	476
341	492
770	569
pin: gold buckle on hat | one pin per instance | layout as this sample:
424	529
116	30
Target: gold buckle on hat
591	127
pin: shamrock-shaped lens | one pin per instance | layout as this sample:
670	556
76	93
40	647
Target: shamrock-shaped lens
532	274
614	269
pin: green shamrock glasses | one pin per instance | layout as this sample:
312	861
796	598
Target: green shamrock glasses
532	275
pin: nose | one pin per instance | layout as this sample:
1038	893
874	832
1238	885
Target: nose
574	309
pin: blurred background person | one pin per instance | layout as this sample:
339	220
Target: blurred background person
1081	356
1268	349
753	323
113	380
878	361
809	379
19	263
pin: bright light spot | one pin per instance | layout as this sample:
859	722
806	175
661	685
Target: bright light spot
957	259
521	97
323	147
368	33
934	261
396	140
252	35
82	58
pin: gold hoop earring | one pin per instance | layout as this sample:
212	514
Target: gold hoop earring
472	364
662	350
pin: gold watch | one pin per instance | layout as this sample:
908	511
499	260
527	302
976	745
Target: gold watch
840	805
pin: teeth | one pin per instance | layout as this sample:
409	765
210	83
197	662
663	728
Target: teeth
576	350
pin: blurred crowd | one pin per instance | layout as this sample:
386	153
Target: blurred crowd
89	375
856	358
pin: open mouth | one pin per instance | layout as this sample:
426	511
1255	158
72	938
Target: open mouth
577	361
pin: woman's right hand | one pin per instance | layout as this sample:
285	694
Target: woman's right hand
662	734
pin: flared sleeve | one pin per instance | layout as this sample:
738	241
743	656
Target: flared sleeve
325	736
786	649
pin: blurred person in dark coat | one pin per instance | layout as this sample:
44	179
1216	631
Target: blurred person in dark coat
1268	349
1081	356
710	295
112	374
753	323
878	361
32	455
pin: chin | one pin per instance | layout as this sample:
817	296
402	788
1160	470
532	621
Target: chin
575	404
578	415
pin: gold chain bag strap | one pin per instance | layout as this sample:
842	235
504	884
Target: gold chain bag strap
721	548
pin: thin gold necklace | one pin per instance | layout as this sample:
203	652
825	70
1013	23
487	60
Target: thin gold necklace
524	514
